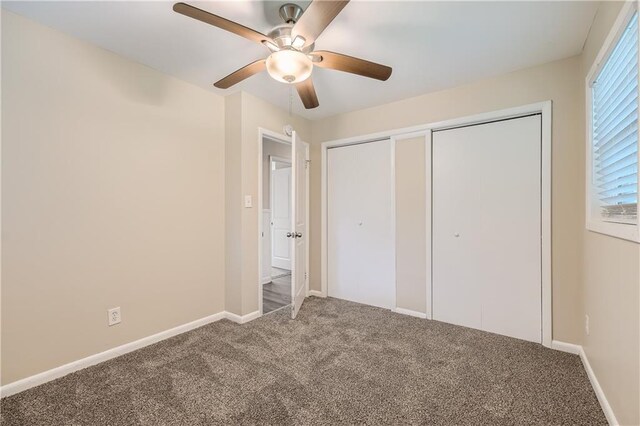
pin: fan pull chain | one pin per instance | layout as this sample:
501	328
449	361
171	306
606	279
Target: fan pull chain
290	98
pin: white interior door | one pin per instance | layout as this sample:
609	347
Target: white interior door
280	215
487	227
360	219
299	222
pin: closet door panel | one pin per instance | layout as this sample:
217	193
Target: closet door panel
512	301
343	212
361	261
455	268
487	227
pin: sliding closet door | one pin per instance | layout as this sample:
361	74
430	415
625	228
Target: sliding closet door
487	227
360	237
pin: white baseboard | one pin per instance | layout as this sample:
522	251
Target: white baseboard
410	313
316	293
566	347
63	370
282	264
242	319
602	398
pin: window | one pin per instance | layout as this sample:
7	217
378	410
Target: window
612	99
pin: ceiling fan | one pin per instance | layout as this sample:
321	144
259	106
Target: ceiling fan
292	57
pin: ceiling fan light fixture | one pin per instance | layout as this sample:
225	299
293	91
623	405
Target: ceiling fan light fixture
289	66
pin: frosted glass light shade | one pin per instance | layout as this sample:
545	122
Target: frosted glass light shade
289	66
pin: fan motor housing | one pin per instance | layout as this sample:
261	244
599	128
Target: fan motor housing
282	36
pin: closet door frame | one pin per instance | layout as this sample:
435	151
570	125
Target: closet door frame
543	108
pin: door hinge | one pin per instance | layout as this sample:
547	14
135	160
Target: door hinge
306	164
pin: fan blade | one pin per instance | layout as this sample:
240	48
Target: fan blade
316	18
220	22
241	74
307	94
340	62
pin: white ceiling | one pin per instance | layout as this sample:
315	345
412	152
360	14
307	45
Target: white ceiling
430	45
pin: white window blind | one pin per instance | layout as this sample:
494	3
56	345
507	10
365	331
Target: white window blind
615	130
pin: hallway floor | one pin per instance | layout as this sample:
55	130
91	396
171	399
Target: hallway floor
277	293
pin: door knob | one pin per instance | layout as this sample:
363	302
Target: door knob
290	235
298	235
456	235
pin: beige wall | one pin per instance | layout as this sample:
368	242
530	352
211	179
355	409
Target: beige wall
611	277
242	256
114	178
315	184
233	202
556	81
411	229
112	186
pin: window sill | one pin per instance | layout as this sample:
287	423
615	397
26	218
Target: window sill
629	232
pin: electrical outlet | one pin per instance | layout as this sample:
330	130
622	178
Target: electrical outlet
114	316
586	324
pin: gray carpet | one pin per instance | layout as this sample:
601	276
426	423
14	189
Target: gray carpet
338	363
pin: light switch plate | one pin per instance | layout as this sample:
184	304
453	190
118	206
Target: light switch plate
248	201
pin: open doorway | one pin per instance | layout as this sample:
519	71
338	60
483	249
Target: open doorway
276	213
283	252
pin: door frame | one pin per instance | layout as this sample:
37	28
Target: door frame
545	109
272	159
280	138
